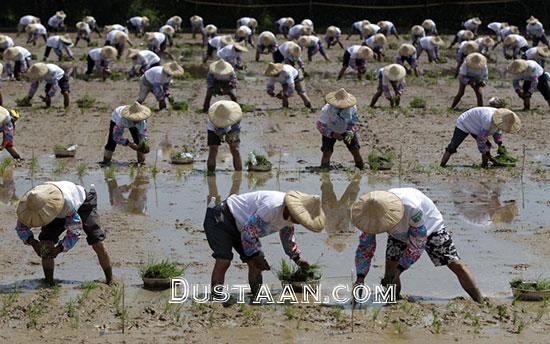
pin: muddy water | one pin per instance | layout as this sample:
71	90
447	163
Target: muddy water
473	211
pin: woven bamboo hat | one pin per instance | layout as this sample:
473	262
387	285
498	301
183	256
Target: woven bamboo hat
3	39
145	20
82	26
543	51
532	20
66	39
428	24
136	112
468	35
307	22
418	30
109	53
40	205
149	36
384	24
379	39
195	19
332	31
225	113
305	41
517	66
377	212
497	102
294	49
368	29
88	19
210	29
514	29
30	28
177	20
241	32
510	39
226	40
395	72
488	41
168	31
476	61
121	37
172	69
476	21
470	47
406	50
60	14
253	23
506	121
12	53
341	99
306	210
37	71
267	38
240	47
307	30
273	69
365	53
289	22
437	40
221	68
132	53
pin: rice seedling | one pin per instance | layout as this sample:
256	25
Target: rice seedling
110	173
247	108
536	285
87	288
393	45
375	314
132	170
290	312
417	103
381	159
398	326
72	313
337	314
179	174
60	167
8	301
85	102
33	312
6	163
502	311
21	102
182	106
288	272
162	269
154	170
521	326
33	167
475	321
436	322
82	169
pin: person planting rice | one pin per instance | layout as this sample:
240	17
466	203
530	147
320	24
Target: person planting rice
338	121
115	27
533	77
266	44
231	53
58	207
464	49
518	44
99	59
83	32
482	122
1	71
197	25
169	32
308	22
473	72
407	53
429	27
7	128
357	28
34	32
387	28
59	44
92	24
215	44
157	80
57	21
142	61
283	25
414	225
485	43
355	57
118	39
26	21
535	31
332	37
392	75
224	118
290	81
210	31
538	54
138	24
369	30
299	30
5	43
134	118
472	24
505	31
240	221
496	27
18	61
156	42
54	77
221	80
417	32
313	45
431	45
461	36
290	53
244	34
175	22
251	23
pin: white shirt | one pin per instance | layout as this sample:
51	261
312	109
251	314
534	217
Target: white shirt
461	47
244	21
156	76
419	210
118	27
283	49
23	54
469	25
282	21
535	29
468	72
426	43
337	119
86	28
370	43
95	54
158	39
73	195
40	29
533	70
295	31
268	205
55	42
216	42
228	54
26	20
163	28
146	58
495	26
286	77
476	119
8	43
532	54
358	25
519	43
137	21
55	21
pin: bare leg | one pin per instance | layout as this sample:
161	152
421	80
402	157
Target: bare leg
325	160
341	73
104	261
357	158
391	272
254	278
211	161
218	273
479	96
466	279
66	99
48	264
306	100
461	89
375	98
445	159
236	153
207	98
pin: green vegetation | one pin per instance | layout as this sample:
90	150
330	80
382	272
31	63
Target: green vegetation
4	165
8	301
85	102
72	313
436	323
143	147
381	160
82	169
293	273
179	106
539	285
291	312
247	108
417	103
162	269
25	101
110	172
256	159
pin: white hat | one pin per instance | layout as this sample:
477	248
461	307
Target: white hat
428	24
12	53
406	49
210	29
267	38
377	212
294	49
306	210
40	205
225	113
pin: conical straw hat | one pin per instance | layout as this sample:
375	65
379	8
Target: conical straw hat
305	41
145	20
306	210
241	32
149	36
132	53
379	39
136	112
476	61
253	23
273	69
407	50
488	41
267	38
294	49
418	30
109	53
468	35
210	29
395	72
221	68
437	40
172	69
37	71
341	99
476	21
60	14
30	28
12	53
240	47
88	19
40	205
367	29
307	30
428	24
120	37
289	22
517	66
506	121
377	212
543	51
510	39
470	47
81	26
196	19
177	19
307	22
332	31
532	20
226	40
225	113
169	31
66	39
365	53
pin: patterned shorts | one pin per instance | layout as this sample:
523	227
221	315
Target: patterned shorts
440	247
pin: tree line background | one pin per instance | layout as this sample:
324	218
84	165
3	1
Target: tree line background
448	14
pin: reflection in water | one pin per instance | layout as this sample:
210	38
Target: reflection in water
258	179
213	192
164	150
136	200
7	188
338	226
480	203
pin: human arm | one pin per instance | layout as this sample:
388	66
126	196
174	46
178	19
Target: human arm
363	254
8	131
288	240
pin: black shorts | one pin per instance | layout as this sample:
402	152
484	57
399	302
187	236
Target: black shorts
328	144
278	57
210	50
214	139
360	63
222	233
111	143
90	223
440	248
542	86
458	138
63	84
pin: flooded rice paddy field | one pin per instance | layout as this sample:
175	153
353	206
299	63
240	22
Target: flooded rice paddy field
499	217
